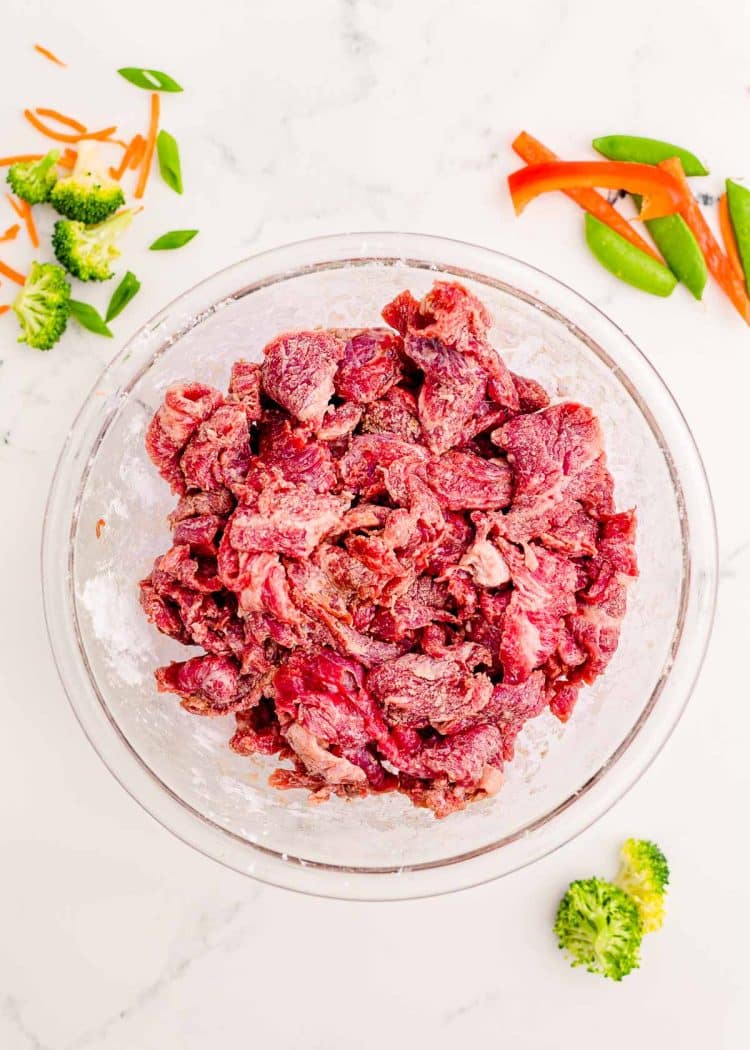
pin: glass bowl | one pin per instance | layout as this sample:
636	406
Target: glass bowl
178	766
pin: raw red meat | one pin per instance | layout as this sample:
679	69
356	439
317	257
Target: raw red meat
298	371
393	551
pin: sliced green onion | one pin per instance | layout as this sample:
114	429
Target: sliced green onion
173	239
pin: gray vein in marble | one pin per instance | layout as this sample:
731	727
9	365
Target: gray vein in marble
213	931
10	1008
477	1002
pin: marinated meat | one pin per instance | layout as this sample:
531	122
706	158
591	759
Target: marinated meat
393	551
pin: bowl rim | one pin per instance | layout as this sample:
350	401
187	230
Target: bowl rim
467	869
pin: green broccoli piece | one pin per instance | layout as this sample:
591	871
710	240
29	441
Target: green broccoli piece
87	194
86	251
43	306
599	926
33	181
644	874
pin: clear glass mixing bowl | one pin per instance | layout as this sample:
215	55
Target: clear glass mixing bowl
178	765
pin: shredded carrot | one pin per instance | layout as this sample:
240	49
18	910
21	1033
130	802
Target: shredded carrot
23	211
718	263
4	310
104	134
148	151
11	274
17	206
139	147
68	158
48	54
11	233
533	152
727	235
28	218
20	158
61	118
132	149
99	526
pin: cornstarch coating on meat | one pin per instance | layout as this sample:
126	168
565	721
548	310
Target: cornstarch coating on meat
392	550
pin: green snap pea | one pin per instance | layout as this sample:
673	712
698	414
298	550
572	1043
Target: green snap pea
676	242
738	202
647	151
626	261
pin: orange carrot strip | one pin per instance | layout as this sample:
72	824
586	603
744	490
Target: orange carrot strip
99	526
17	206
718	263
139	147
20	158
61	118
11	233
533	152
23	211
11	274
131	150
28	218
4	310
148	151
48	54
727	235
68	158
59	136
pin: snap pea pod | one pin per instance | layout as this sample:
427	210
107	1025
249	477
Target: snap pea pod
672	235
626	261
647	151
738	201
682	254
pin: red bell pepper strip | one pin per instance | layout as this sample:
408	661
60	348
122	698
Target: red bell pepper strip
662	193
717	262
533	152
727	235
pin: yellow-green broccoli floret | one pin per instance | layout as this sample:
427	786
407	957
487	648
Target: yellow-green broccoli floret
87	194
86	251
33	181
43	306
644	874
599	927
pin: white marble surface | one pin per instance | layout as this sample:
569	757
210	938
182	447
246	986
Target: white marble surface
321	116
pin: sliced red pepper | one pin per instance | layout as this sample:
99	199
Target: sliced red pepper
717	262
662	193
533	152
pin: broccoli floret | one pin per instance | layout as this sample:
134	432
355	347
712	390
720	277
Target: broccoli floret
599	926
43	306
86	251
644	874
33	181
87	194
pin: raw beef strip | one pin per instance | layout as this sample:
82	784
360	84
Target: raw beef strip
396	413
362	468
556	455
291	521
453	387
370	366
298	457
201	462
185	407
463	480
543	593
244	387
298	371
208	685
418	691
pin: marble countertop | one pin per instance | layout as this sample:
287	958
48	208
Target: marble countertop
303	118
